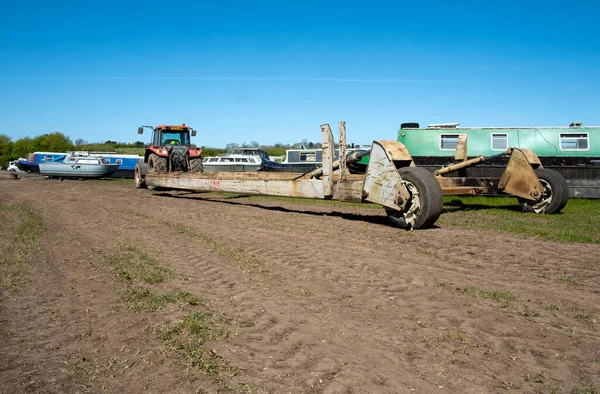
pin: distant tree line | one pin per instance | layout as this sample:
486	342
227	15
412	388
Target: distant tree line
58	142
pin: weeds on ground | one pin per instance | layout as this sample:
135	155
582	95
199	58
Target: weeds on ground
569	280
191	334
237	255
503	297
131	263
24	228
139	272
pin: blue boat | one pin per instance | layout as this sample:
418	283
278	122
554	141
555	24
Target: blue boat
126	162
31	164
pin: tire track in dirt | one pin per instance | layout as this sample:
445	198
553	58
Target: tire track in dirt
297	255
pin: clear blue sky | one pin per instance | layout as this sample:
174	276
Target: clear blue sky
271	71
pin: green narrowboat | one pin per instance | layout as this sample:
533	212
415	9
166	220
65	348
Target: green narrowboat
573	151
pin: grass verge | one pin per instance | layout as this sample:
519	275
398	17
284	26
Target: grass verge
576	223
24	228
140	272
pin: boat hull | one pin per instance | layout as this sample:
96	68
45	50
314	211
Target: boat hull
65	170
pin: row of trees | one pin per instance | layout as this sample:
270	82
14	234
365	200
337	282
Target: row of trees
53	142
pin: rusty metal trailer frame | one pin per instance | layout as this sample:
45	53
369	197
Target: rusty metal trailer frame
537	189
411	196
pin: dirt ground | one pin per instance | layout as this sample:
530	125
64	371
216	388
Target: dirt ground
308	298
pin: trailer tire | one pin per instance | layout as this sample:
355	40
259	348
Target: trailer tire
139	177
555	195
157	164
430	198
196	165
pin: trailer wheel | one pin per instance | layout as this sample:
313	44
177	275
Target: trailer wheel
196	165
555	194
157	164
426	199
140	179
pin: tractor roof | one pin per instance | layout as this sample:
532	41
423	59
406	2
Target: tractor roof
172	127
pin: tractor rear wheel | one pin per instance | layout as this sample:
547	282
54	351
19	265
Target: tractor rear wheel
425	202
157	164
196	165
554	196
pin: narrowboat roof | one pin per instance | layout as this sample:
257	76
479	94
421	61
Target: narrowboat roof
454	126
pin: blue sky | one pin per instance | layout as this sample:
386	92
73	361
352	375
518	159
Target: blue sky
272	72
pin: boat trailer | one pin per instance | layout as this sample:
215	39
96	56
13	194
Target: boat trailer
411	196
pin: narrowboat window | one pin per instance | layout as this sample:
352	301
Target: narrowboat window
119	161
48	158
308	156
448	141
213	160
574	141
499	141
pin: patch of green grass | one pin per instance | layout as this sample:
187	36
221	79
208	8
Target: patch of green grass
238	255
141	299
456	336
529	312
504	297
569	280
553	307
585	390
131	263
24	228
427	251
140	271
576	223
510	386
585	315
190	334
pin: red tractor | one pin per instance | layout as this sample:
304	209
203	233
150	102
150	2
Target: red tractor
171	150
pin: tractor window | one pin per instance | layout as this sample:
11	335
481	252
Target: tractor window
175	138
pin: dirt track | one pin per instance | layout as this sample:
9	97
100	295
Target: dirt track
314	297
